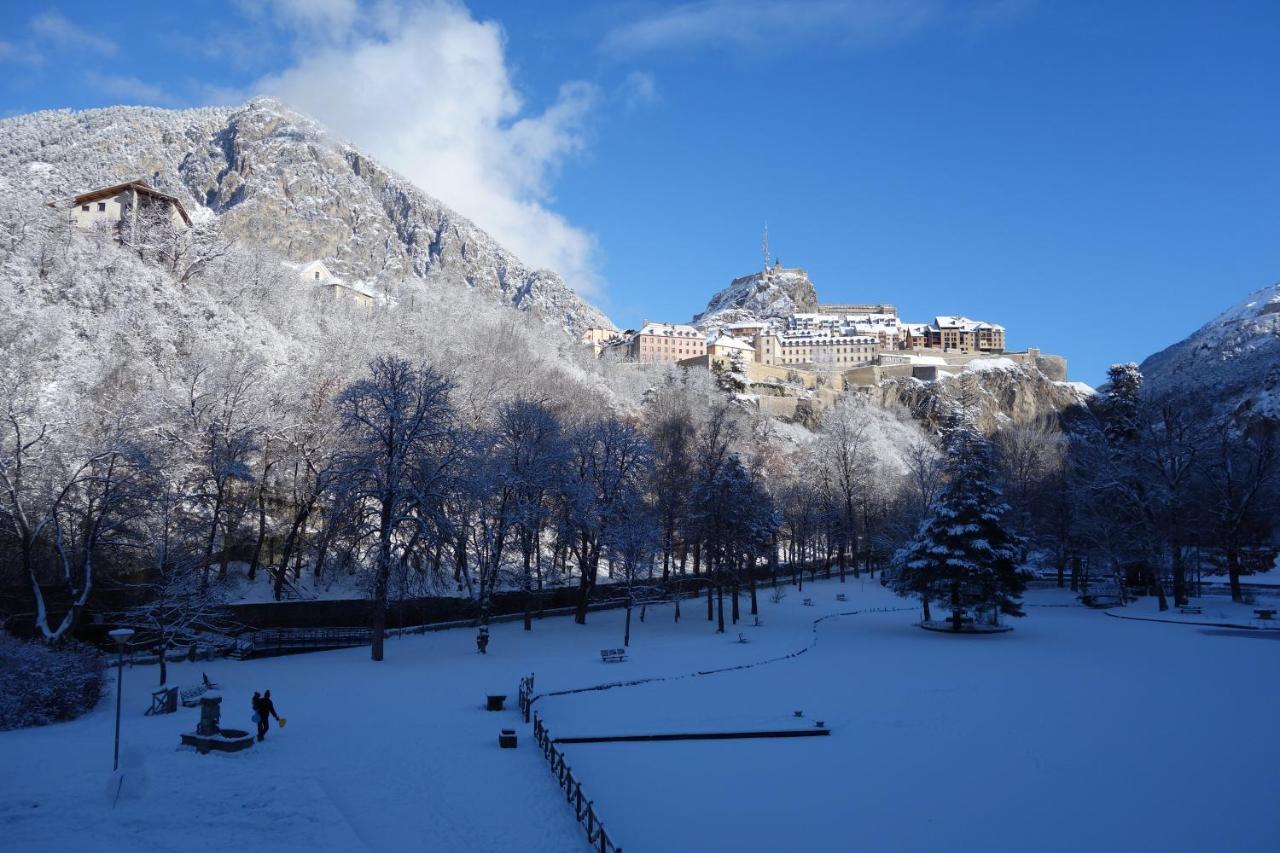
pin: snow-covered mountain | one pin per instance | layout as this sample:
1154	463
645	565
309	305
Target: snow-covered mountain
277	179
773	293
1232	362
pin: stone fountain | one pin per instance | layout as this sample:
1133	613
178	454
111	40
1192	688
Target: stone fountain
209	735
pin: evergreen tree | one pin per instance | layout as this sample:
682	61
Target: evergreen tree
962	555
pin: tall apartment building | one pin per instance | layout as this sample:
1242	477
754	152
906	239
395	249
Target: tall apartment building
960	334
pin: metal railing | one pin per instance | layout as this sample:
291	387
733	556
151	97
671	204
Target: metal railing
284	640
583	808
524	697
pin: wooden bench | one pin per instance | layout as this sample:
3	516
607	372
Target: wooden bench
191	695
808	602
163	701
841	597
1193	611
1265	614
613	655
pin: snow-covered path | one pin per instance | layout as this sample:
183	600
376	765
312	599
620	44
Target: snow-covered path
1085	728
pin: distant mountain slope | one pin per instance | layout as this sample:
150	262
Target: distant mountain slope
274	178
774	293
1232	362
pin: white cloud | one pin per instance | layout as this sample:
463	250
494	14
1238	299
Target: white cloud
638	89
771	27
10	52
426	89
129	89
53	27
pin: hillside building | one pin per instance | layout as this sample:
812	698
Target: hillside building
666	342
122	204
317	274
816	349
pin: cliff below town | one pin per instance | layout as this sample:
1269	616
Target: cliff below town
1009	394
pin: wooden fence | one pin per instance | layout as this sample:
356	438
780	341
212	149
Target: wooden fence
583	808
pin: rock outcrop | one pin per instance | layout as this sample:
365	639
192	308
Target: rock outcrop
774	293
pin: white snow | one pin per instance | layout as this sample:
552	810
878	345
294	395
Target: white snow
982	365
1070	733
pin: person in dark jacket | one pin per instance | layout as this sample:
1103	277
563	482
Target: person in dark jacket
259	715
266	708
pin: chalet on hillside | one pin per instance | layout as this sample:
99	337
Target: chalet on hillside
318	274
122	202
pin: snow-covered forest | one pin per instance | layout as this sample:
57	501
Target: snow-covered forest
183	414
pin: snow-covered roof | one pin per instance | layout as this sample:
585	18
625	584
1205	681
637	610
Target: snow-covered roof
952	321
726	342
670	330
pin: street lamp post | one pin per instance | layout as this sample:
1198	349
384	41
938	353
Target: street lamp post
121	636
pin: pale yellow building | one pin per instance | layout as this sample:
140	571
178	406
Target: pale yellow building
122	203
816	350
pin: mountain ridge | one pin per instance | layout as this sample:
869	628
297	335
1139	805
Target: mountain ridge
275	178
1233	361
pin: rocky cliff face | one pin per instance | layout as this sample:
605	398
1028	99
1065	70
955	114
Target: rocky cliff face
1012	394
1232	364
274	178
775	293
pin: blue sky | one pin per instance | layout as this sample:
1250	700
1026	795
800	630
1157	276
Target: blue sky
1100	177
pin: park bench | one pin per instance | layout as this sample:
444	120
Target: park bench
808	602
840	596
1194	611
163	701
1265	614
613	655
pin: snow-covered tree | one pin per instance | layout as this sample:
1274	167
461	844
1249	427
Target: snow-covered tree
399	454
964	555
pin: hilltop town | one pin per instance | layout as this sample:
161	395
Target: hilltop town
768	337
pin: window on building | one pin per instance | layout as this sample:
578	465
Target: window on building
317	276
84	207
102	206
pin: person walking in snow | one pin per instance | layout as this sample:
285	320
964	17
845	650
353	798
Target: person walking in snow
266	708
482	640
259	715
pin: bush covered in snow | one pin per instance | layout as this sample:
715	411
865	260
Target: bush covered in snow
41	685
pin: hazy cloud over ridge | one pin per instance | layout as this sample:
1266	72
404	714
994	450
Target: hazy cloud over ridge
426	89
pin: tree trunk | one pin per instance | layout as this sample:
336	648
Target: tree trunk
711	614
262	533
626	631
720	601
1233	572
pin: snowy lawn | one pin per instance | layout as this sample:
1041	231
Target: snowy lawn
1083	727
1077	731
381	757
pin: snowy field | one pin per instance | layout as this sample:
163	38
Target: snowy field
1076	731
